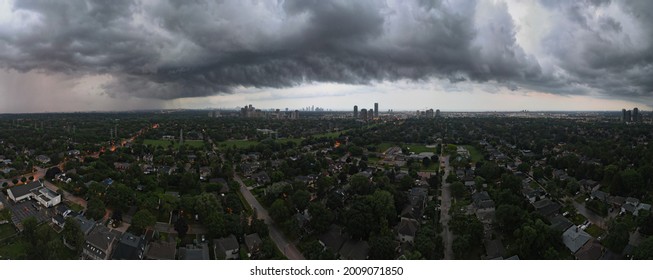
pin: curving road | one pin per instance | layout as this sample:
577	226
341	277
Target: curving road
445	205
287	248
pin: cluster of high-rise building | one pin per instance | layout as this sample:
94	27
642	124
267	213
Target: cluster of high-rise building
428	113
366	114
251	112
631	116
312	108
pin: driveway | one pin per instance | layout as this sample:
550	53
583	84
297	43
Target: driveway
445	205
590	215
287	248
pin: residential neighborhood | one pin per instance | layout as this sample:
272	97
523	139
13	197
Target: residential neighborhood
178	185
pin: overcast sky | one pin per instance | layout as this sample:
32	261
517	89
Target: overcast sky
453	55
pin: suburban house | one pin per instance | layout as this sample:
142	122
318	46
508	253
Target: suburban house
58	220
253	242
43	159
406	230
560	223
34	190
161	250
99	243
416	203
483	202
130	247
192	252
332	239
85	225
590	251
546	207
599	195
226	248
575	238
354	250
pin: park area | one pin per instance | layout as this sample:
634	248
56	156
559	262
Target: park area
174	144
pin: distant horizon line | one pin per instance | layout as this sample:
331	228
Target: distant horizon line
323	111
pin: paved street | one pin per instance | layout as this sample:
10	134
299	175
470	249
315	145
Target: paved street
287	248
445	204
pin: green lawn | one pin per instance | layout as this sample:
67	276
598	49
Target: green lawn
74	206
249	182
286	140
329	134
6	230
246	205
166	143
578	219
476	155
594	230
239	144
5	215
14	250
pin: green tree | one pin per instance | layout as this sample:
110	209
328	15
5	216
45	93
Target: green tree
141	221
29	229
96	190
279	211
119	197
359	219
428	243
360	184
73	235
645	250
457	190
510	217
321	217
216	225
382	247
300	199
95	209
618	236
382	206
207	204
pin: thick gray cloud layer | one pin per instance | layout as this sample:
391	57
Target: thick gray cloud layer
173	49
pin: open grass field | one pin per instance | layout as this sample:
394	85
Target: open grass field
286	140
329	134
239	144
474	153
166	143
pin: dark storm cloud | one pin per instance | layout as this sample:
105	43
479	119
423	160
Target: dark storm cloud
174	49
598	52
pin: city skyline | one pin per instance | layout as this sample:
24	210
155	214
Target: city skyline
461	56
